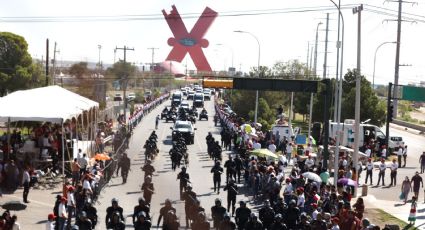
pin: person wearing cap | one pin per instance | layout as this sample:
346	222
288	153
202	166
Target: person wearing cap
394	166
253	223
288	191
227	223
201	222
301	198
148	189
91	212
141	207
242	215
163	212
112	210
83	222
217	170
50	224
417	181
142	223
314	211
232	192
184	177
62	214
71	204
382	168
369	171
148	168
217	213
335	223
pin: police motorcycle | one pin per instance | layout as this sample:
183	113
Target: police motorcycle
203	114
171	116
164	113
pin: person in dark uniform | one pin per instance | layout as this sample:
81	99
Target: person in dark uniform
116	222
194	211
142	207
83	222
125	167
148	189
217	213
266	214
227	223
216	151
142	223
56	209
148	168
217	170
278	223
163	212
91	212
113	210
292	215
183	176
172	221
201	222
239	167
230	166
242	215
189	198
232	191
253	223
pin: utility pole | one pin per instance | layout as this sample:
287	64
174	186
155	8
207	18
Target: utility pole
54	64
308	57
325	62
47	62
125	79
358	11
99	63
153	56
315	50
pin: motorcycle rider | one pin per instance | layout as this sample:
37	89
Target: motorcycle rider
148	168
141	207
115	209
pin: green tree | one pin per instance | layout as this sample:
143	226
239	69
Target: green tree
79	70
17	70
121	70
370	106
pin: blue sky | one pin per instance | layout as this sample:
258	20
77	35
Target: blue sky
283	36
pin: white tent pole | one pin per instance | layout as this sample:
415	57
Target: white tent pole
63	152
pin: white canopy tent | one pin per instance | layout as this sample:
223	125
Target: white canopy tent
53	103
47	104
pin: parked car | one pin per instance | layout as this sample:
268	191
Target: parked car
117	97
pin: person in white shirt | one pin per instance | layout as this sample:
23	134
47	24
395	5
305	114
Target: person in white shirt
394	167
315	212
301	199
382	167
309	163
70	204
62	214
404	156
399	154
288	152
335	222
384	152
50	224
26	183
369	171
287	192
272	147
368	152
308	150
256	145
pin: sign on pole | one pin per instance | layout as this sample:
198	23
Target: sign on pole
413	93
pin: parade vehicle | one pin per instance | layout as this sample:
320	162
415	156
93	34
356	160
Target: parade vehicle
185	105
177	98
171	116
198	100
207	94
367	132
203	115
183	129
190	95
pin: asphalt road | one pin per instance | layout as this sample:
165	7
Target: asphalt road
416	145
166	184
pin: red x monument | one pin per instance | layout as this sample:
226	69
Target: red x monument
193	42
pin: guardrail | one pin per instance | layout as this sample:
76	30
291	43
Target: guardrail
409	125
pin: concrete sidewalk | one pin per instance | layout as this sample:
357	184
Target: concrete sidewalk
396	208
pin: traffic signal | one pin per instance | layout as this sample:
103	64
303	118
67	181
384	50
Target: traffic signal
390	113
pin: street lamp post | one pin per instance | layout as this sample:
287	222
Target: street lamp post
374	61
315	49
338	93
258	69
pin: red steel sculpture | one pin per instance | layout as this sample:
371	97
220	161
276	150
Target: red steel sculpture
193	42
